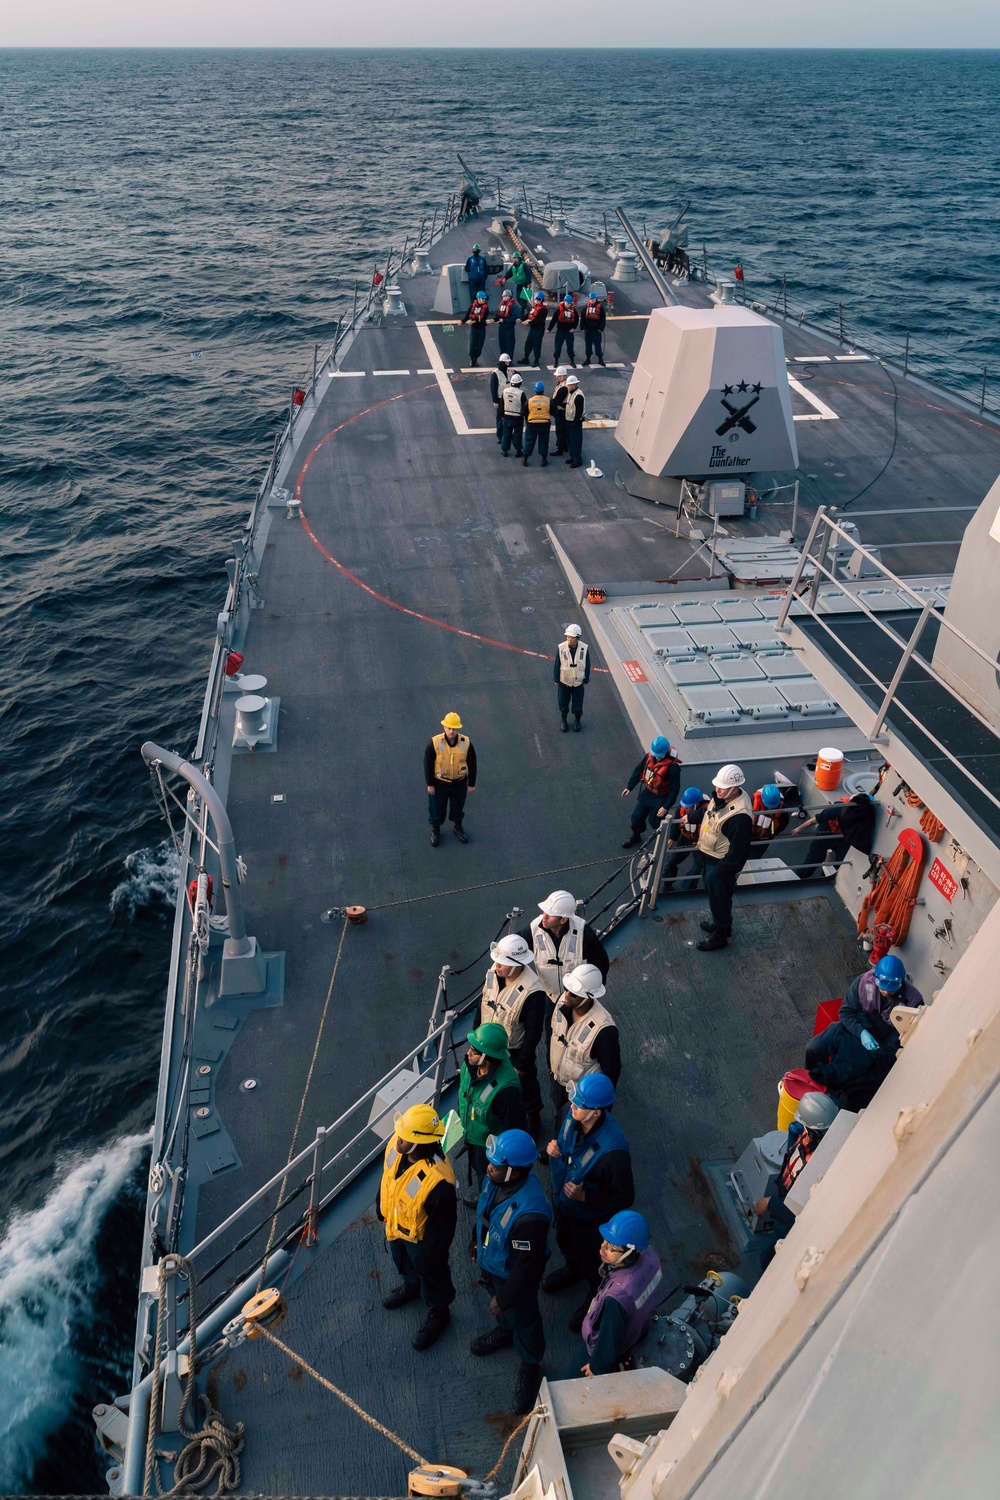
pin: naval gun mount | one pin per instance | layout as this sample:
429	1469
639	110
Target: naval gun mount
708	401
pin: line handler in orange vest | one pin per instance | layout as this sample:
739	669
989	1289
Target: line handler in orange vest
450	772
658	777
418	1207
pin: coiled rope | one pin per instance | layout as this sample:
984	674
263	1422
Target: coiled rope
212	1453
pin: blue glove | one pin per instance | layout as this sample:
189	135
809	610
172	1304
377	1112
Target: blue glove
868	1042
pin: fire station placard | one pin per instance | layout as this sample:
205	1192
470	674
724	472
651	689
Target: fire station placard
943	881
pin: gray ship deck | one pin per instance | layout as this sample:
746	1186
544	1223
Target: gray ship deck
705	1044
417	533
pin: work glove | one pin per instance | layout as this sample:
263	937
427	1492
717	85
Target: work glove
868	1042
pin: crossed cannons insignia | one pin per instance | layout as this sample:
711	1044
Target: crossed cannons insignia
738	414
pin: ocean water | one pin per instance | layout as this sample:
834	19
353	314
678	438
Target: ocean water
179	228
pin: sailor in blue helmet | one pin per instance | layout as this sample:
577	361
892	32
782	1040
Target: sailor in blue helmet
510	1245
621	1312
594	319
535	317
564	320
852	1057
682	841
769	818
536	427
658	777
478	315
475	268
591	1169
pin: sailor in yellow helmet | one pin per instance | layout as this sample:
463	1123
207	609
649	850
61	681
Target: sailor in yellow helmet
450	773
417	1204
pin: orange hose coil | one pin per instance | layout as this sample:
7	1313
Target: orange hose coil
895	894
932	826
912	800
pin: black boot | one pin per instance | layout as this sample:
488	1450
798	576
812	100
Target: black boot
525	462
564	725
431	1328
529	1379
631	841
492	1342
401	1295
577	726
435	837
460	834
708	926
714	940
559	1279
545	463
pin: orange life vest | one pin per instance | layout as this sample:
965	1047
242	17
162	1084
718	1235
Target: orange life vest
765	822
539	312
656	773
567	312
592	311
479	312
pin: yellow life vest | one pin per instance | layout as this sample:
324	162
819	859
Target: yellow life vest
403	1199
712	839
538	409
451	762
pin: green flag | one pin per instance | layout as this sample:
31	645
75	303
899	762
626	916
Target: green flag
452	1131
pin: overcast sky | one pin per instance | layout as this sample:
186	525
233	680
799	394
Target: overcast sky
426	23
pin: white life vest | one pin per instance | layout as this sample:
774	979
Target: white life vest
512	396
572	673
551	965
505	1005
572	1043
574	406
712	839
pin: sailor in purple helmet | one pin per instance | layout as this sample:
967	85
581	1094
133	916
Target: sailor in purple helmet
631	1285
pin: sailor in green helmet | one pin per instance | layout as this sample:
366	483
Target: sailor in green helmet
489	1093
520	274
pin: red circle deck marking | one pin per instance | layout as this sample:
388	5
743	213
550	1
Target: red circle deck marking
415	614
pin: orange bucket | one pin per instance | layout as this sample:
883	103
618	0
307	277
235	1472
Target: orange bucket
829	769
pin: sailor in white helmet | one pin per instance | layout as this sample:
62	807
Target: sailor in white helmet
723	849
514	996
499	380
584	1036
571	673
560	941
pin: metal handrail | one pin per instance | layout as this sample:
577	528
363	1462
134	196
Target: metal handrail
442	1031
907	647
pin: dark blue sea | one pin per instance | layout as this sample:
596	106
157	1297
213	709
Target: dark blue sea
178	229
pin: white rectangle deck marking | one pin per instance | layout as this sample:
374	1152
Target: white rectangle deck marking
390	372
811	359
476	370
820	411
444	384
853	359
346	374
447	370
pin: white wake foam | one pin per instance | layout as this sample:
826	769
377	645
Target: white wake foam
49	1281
151	877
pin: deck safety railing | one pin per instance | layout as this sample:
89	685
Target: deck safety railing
824	534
